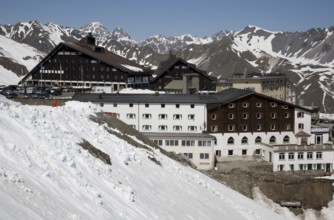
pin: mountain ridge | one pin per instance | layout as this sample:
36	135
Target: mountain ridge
306	57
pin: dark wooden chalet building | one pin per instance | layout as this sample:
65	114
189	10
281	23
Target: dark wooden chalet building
83	64
176	75
251	112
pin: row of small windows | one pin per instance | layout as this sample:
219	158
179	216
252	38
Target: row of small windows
257	104
318	166
258	139
258	127
160	116
184	143
300	155
181	66
258	115
165	128
162	105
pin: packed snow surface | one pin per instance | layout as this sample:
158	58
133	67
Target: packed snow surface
45	174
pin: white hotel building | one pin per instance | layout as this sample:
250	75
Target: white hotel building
231	124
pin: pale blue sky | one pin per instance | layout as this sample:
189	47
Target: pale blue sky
145	18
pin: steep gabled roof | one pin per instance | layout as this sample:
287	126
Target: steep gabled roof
98	53
232	95
229	95
108	57
171	61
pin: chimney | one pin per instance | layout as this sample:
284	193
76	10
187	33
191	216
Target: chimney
90	39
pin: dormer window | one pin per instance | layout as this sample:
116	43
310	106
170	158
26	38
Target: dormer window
231	105
273	104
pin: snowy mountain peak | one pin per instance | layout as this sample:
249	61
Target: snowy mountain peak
255	30
95	28
119	33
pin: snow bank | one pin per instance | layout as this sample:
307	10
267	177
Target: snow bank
45	174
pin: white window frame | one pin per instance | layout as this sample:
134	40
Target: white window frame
301	126
300	155
146	127
191	117
231	116
291	156
231	105
300	114
147	116
131	116
163	116
214	128
204	156
213	116
177	128
273	127
231	127
162	127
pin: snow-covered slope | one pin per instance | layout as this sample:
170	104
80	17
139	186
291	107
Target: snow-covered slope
45	174
17	57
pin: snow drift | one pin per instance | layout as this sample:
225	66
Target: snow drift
46	174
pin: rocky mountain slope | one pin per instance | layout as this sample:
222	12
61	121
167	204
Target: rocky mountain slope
307	57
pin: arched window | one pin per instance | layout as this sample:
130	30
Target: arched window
258	139
272	140
230	140
244	140
286	139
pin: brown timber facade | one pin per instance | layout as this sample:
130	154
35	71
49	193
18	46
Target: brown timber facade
175	75
82	64
253	113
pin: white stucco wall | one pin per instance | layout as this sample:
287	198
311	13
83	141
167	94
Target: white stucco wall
327	158
305	120
199	111
251	146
